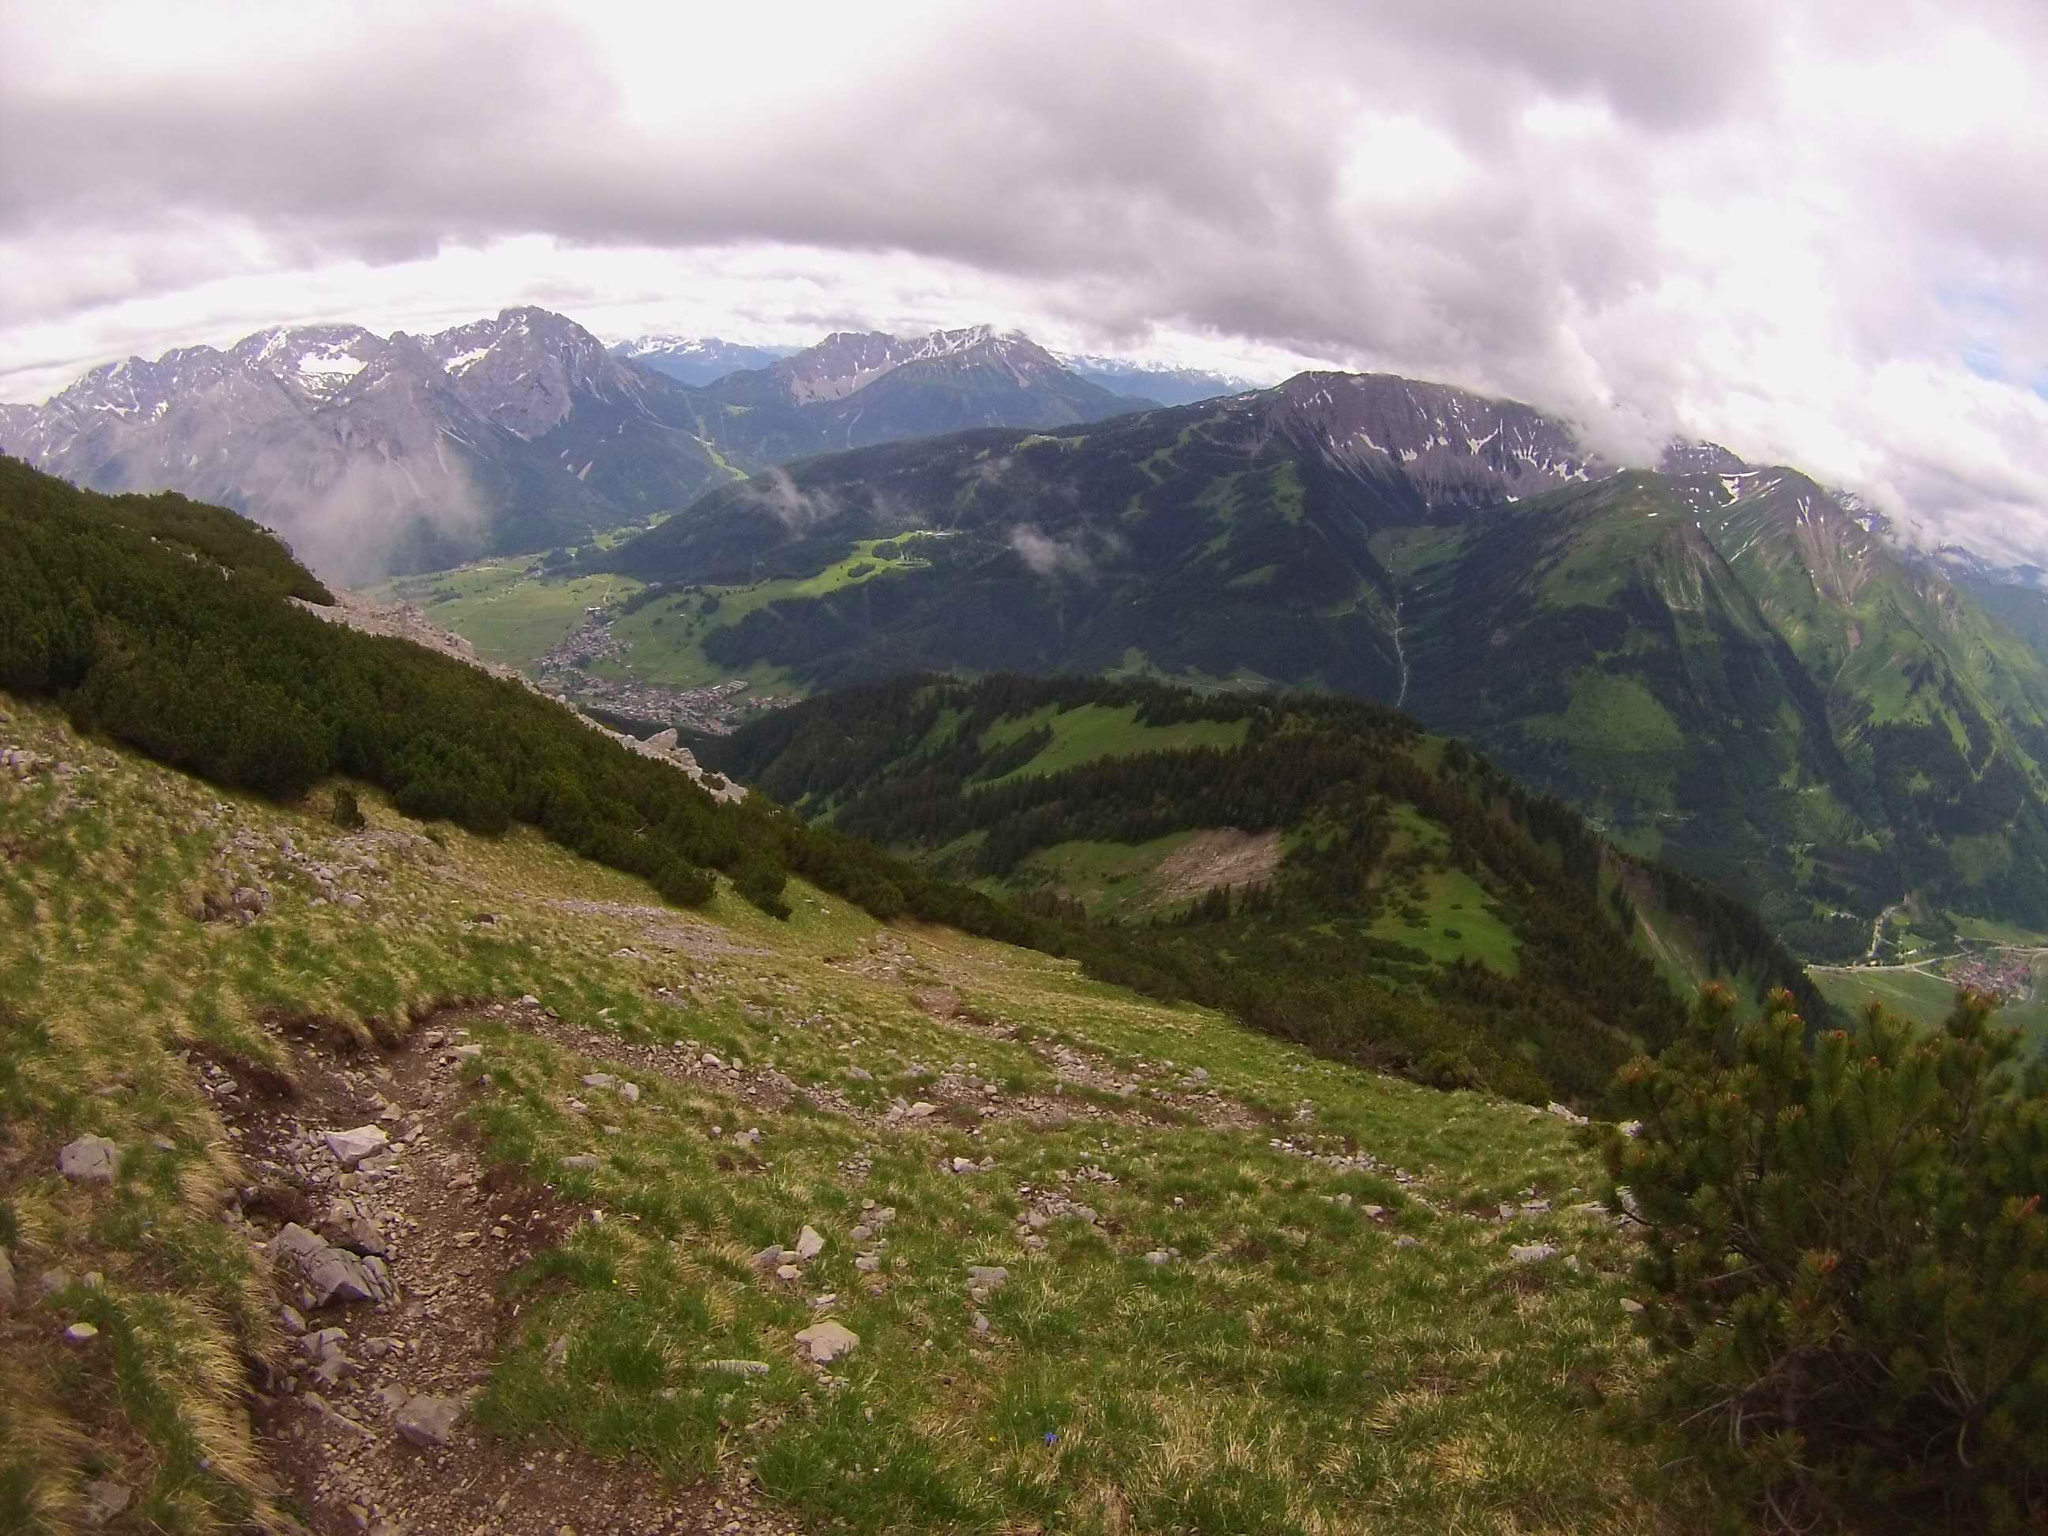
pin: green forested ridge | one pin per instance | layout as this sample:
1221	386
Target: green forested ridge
1373	814
1725	671
107	604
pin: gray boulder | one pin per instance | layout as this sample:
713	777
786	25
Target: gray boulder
331	1274
90	1160
350	1226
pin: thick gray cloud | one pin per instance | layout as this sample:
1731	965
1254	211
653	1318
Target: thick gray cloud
1812	229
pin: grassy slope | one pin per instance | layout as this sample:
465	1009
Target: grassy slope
1295	1371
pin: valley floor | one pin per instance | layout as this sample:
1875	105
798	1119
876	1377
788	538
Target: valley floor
639	1175
1924	989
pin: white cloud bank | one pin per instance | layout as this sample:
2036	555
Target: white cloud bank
1811	229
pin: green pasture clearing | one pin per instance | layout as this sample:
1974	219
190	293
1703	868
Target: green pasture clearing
1452	919
1089	732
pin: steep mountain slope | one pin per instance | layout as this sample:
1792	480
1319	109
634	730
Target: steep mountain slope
1229	540
2014	595
1728	669
1723	665
696	360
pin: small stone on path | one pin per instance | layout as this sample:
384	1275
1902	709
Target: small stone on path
351	1147
428	1421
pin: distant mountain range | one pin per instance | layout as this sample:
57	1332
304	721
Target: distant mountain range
857	388
1155	381
697	360
701	360
1719	662
524	432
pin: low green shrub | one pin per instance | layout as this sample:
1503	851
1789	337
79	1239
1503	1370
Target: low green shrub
1847	1263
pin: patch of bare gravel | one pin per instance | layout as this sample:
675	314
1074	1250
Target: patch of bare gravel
1219	857
663	928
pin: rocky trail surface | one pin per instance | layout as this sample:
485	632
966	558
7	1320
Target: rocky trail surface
391	1241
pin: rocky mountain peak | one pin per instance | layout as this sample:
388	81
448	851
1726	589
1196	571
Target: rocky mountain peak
1683	457
1455	445
315	361
849	360
525	368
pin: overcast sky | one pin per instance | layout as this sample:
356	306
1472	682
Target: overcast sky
1814	230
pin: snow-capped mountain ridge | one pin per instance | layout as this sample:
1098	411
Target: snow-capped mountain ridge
368	450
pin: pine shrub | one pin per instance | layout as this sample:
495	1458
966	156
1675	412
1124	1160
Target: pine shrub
1847	1263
